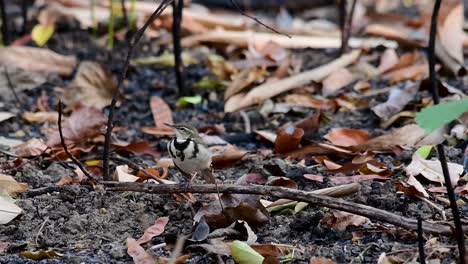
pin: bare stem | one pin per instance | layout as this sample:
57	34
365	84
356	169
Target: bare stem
178	6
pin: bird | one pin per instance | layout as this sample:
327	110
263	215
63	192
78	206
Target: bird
190	153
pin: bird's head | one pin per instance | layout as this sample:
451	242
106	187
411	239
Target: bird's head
184	130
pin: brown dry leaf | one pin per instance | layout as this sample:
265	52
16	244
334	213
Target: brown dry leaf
270	89
37	59
270	50
355	178
32	147
322	260
161	112
336	80
397	99
243	79
405	60
288	138
9	185
269	251
179	260
406	136
138	253
411	188
40	117
66	180
346	137
432	169
136	147
413	72
388	60
155	230
400	33
307	152
226	155
6	115
310	124
157	131
451	33
83	124
244	207
341	220
309	101
314	177
282	182
93	86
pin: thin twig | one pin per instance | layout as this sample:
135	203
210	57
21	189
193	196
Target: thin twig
5	38
124	13
256	19
342	21
136	37
24	15
40	230
12	88
422	259
286	193
440	149
348	17
65	148
178	6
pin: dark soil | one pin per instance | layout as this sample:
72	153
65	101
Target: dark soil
91	226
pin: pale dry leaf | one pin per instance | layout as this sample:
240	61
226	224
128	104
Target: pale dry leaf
37	59
407	136
6	115
32	147
8	210
122	175
138	253
341	220
308	101
413	72
93	85
155	230
412	187
388	60
432	169
398	98
265	91
40	117
451	33
336	80
9	185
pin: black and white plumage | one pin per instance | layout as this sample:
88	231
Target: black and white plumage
190	154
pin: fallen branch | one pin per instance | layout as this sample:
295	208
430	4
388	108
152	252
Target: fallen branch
285	193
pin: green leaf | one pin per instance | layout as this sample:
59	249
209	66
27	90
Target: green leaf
424	151
244	254
207	83
188	100
300	206
166	59
42	33
435	116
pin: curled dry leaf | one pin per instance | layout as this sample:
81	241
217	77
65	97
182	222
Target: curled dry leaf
136	147
432	169
341	220
451	33
138	253
388	60
413	72
336	80
236	207
243	79
155	230
288	138
83	124
92	86
32	147
40	117
226	155
346	137
411	188
309	101
407	136
121	174
37	59
270	50
397	99
9	185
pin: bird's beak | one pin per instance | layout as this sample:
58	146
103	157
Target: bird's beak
169	125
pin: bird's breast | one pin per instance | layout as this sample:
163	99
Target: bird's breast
189	156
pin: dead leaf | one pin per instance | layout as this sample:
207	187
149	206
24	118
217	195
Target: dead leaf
321	260
8	210
136	147
309	101
270	50
411	188
155	230
397	99
432	169
157	131
451	33
388	60
405	60
341	220
32	147
161	112
138	254
314	177
336	80
37	59
406	136
346	137
414	72
270	89
282	182
243	79
83	124
236	207
121	174
9	185
92	86
226	155
288	138
6	115
315	149
40	117
355	178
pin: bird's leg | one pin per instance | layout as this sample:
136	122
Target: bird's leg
189	182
